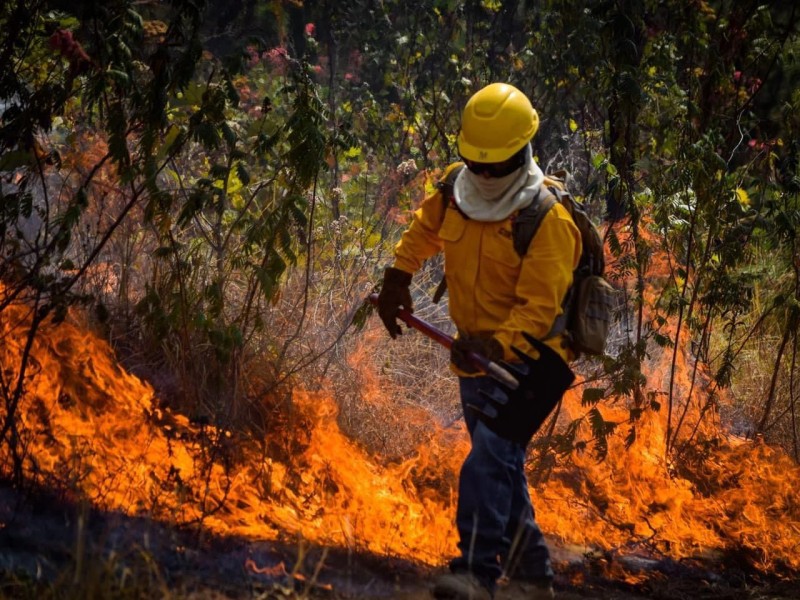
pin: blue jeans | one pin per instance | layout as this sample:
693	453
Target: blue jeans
495	519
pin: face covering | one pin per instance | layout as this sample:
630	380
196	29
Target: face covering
495	199
492	189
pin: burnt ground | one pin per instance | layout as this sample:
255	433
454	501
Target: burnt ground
56	546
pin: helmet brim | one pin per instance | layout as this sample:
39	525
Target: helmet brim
489	155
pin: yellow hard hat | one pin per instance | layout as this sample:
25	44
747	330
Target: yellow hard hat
497	121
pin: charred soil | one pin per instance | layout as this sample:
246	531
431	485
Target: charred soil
56	547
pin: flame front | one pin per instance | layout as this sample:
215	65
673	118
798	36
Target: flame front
96	426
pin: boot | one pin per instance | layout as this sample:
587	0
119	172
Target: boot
460	586
522	590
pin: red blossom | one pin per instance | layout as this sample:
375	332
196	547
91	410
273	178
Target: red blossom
310	29
278	58
62	41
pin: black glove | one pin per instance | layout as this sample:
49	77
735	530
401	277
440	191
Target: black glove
481	343
394	294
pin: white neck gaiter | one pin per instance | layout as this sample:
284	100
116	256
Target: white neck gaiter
496	198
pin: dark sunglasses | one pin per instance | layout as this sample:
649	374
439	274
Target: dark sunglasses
496	170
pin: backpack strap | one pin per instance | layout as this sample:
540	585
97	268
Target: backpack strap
446	185
525	226
527	221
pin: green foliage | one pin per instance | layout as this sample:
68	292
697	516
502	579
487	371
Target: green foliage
592	396
305	128
282	168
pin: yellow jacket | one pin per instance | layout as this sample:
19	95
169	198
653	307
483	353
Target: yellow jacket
492	288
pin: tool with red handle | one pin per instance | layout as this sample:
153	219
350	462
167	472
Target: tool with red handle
489	367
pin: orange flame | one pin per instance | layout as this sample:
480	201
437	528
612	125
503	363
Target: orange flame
96	426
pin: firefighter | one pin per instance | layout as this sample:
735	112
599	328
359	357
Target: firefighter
495	295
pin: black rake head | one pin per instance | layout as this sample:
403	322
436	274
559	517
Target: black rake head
516	415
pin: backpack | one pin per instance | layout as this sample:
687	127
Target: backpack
589	302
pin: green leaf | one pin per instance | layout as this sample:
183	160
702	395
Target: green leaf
15	159
218	171
661	340
592	396
163	252
242	173
198	200
119	77
173	134
601	429
228	133
362	314
231	91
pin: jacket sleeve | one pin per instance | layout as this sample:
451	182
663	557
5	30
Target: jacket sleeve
421	240
545	277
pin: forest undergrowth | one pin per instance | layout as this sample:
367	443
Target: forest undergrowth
212	190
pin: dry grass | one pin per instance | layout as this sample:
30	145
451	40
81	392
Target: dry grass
393	392
756	341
